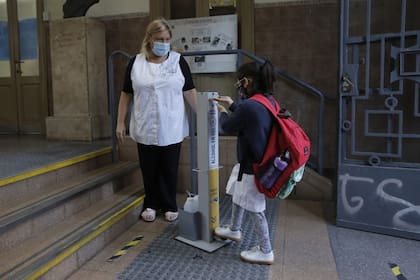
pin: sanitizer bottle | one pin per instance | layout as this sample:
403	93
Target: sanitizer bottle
191	204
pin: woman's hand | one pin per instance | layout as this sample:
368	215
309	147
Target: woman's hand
120	131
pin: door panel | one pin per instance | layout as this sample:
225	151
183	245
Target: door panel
28	38
22	110
8	109
379	159
31	103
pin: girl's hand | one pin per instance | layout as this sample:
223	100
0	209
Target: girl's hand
224	99
220	108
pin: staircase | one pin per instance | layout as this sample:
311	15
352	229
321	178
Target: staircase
313	187
53	222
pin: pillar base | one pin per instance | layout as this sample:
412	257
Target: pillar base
81	128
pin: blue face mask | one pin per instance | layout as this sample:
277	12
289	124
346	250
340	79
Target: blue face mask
160	49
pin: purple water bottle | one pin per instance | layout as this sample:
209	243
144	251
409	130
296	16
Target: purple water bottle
273	172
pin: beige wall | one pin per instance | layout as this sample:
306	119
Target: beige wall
53	9
284	49
120	7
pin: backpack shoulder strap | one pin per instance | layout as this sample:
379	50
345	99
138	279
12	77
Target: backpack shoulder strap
271	104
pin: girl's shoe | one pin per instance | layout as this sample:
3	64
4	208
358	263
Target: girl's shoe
148	215
226	233
255	255
171	216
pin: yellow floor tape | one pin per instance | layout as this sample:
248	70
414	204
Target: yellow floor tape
124	250
98	230
396	271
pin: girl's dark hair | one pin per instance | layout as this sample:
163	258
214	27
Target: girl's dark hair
263	76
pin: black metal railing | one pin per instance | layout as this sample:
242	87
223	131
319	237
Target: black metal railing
240	57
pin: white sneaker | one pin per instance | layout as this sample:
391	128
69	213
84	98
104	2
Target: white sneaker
148	215
171	216
226	233
255	255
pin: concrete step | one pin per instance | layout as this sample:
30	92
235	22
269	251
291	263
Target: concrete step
16	190
313	187
54	235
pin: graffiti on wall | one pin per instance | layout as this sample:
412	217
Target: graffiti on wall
382	196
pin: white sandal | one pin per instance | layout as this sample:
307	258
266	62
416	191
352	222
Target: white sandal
148	215
171	216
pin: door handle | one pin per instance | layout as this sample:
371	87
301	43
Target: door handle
346	84
18	69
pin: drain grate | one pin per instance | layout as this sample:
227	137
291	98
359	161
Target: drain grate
169	259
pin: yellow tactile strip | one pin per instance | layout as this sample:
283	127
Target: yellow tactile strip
55	166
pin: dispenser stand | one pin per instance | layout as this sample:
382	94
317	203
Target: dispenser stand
208	173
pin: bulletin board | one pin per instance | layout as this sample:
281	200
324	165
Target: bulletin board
207	34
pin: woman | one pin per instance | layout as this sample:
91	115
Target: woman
157	79
252	122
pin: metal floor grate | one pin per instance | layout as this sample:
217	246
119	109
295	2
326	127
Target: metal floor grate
169	259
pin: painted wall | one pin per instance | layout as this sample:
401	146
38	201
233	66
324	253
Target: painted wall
54	8
273	1
280	17
112	7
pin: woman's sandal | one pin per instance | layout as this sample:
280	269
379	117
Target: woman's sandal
171	216
148	215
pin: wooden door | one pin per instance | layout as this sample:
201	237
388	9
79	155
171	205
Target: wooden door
23	105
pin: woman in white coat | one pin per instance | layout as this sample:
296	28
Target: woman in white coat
157	80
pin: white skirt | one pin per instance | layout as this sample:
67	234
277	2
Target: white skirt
245	193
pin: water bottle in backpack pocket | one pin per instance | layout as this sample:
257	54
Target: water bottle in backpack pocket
274	171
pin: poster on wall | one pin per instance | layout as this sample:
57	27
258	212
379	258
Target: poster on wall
207	34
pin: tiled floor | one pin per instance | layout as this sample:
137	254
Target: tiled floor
302	248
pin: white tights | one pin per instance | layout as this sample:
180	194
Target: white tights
260	222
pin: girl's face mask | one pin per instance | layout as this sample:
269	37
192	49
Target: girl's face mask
241	86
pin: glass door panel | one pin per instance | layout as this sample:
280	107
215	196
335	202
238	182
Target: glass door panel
4	41
28	38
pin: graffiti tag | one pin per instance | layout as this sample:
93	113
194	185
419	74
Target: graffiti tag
356	203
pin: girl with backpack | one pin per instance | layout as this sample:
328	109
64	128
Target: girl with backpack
252	124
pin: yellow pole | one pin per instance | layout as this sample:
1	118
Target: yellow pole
214	197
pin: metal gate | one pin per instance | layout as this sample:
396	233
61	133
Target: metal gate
378	187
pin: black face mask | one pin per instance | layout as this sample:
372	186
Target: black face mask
243	93
241	90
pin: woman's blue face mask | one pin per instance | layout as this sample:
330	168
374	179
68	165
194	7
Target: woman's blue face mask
161	49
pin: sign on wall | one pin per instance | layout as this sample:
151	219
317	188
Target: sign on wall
207	34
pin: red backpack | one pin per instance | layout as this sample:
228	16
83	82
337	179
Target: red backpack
286	137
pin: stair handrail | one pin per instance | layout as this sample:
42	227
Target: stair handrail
313	90
111	102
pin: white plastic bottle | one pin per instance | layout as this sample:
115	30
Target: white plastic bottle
191	204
